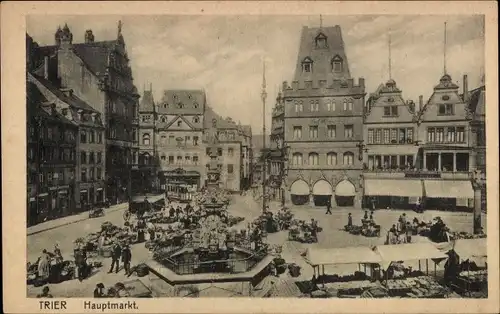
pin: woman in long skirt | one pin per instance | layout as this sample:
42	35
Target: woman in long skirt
44	266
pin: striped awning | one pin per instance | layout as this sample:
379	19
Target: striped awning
448	189
402	188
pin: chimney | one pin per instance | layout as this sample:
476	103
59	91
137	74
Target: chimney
89	37
420	102
46	67
466	89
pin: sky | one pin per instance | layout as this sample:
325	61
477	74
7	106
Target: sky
224	54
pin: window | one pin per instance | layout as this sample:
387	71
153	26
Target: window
313	159
321	41
402	136
394	136
91	136
145	139
370	136
378	136
195	105
84	175
196	119
450	134
348	131
170	159
386	136
219	152
98	172
163	140
409	135
297	159
99	157
349	105
99	136
179	160
91	158
83	158
230	152
171	139
297	132
195	160
332	131
345	104
163	119
113	132
445	109
330	105
195	140
83	136
439	134
337	64
298	106
230	168
163	157
314	105
307	67
390	111
313	131
91	174
431	135
331	159
187	159
179	123
146	118
460	136
348	158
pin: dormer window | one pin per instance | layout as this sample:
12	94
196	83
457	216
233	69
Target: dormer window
196	105
179	123
163	119
321	41
180	105
196	119
307	65
337	65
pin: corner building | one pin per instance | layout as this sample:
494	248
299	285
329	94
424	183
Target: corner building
323	123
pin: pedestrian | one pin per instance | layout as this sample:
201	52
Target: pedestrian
349	220
116	253
44	266
126	258
408	232
371	217
418	207
99	291
365	217
328	207
314	229
57	254
45	293
80	263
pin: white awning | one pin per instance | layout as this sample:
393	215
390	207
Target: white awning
345	188
409	252
299	187
448	189
322	187
63	192
347	255
403	188
83	191
43	194
99	189
32	199
467	248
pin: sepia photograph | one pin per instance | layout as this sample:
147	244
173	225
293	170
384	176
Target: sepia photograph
299	156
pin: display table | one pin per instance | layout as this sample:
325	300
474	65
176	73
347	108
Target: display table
417	287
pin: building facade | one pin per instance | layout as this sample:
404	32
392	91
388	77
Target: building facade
245	135
389	146
277	152
98	73
51	158
324	123
477	105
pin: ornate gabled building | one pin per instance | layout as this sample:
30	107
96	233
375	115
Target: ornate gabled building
277	154
389	147
99	73
245	135
445	146
323	123
172	130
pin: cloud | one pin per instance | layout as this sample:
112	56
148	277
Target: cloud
223	54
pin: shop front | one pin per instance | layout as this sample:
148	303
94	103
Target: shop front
392	193
299	192
345	192
322	193
84	199
189	179
448	194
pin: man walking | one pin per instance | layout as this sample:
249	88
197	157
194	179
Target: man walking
126	258
328	207
115	257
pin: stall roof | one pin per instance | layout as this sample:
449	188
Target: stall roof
152	198
409	252
348	255
468	248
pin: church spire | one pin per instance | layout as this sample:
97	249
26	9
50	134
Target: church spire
444	51
390	56
320	21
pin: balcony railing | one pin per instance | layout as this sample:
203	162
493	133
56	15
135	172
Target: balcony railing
416	173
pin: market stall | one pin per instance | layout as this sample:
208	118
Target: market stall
471	275
403	281
344	286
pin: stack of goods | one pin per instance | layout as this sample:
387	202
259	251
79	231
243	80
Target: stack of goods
426	287
234	220
355	230
465	235
351	289
294	270
280	265
285	217
477	276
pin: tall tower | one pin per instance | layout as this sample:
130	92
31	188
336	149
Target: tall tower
263	95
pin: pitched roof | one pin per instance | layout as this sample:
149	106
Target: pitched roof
147	102
180	117
192	101
95	54
321	57
35	99
476	101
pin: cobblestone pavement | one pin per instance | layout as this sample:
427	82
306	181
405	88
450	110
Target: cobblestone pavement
332	236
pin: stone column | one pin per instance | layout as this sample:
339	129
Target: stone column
472	160
454	162
333	201
311	199
439	162
425	161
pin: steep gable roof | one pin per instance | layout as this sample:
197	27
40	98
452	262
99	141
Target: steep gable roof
95	55
147	102
477	101
181	118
